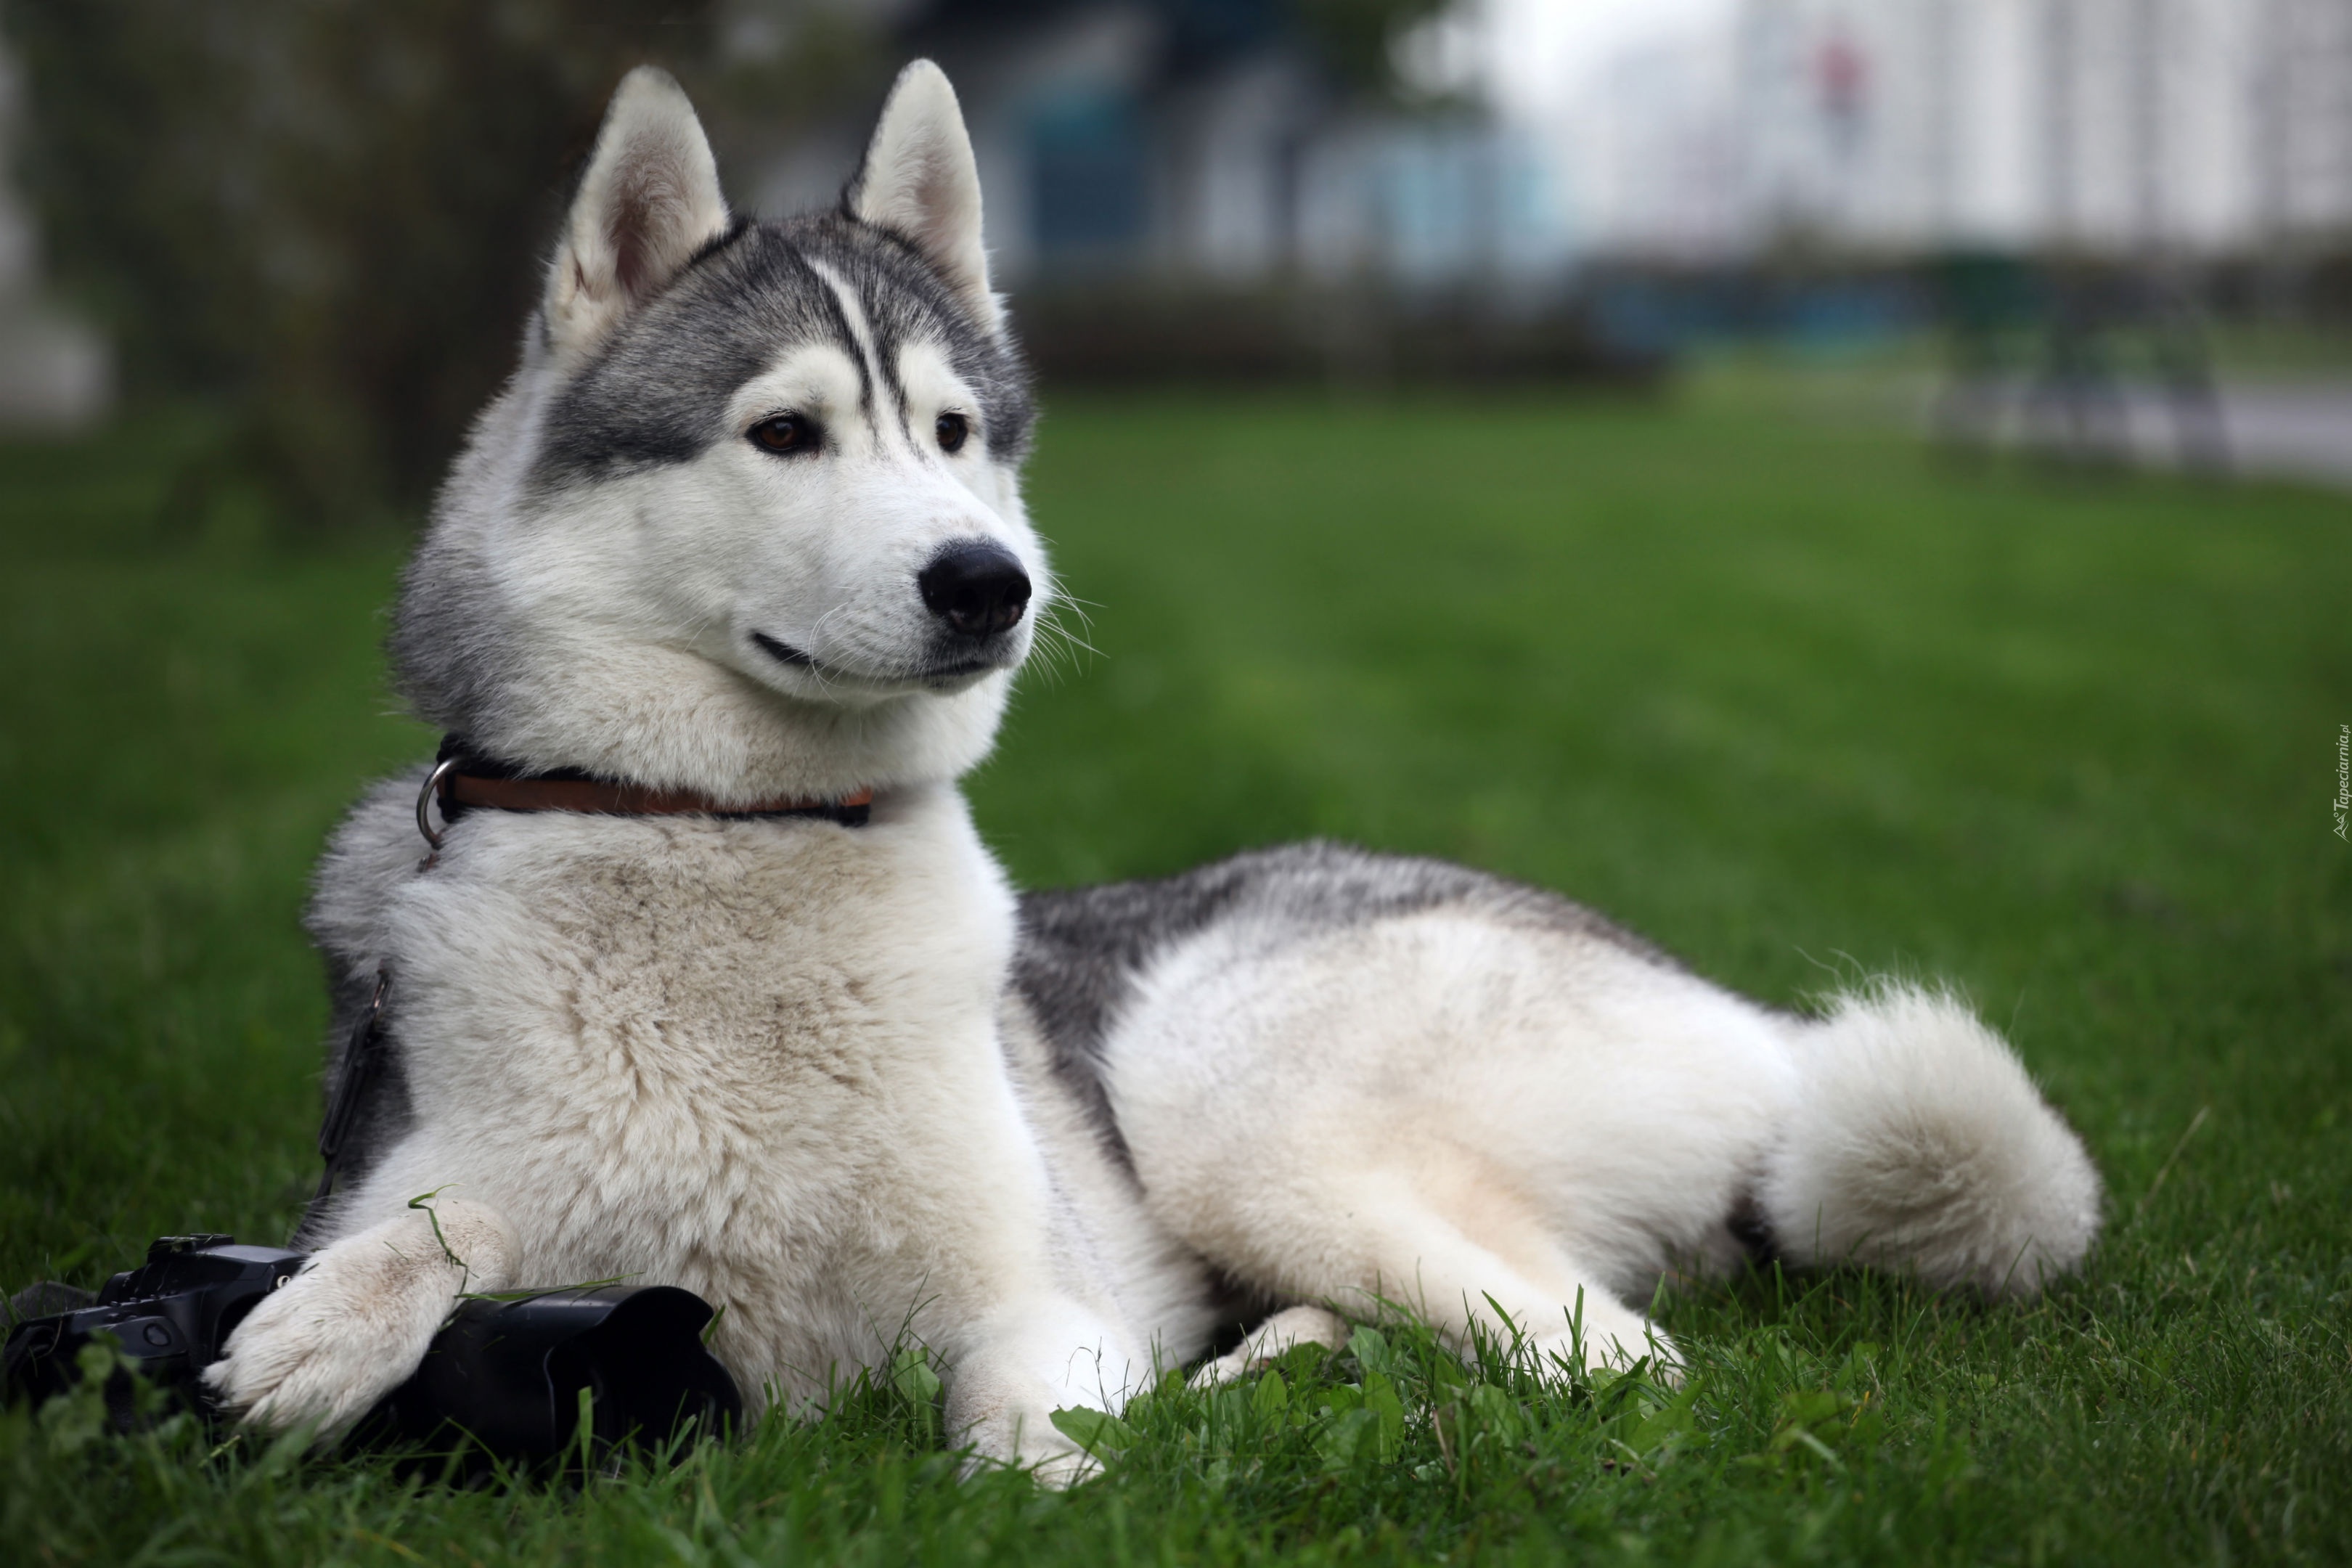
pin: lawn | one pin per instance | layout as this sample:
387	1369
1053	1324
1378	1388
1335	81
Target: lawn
1790	698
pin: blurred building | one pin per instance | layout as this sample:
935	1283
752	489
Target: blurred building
2303	119
1202	141
2196	128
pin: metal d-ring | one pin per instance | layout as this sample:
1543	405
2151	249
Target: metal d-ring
424	802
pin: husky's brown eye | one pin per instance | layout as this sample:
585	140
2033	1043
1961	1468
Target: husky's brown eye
953	428
787	433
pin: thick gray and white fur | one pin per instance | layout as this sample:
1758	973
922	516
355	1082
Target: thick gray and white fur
847	1086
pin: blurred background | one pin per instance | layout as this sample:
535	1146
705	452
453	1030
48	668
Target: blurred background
2107	228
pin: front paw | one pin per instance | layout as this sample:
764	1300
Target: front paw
1032	1441
1063	1466
356	1321
1004	1418
315	1353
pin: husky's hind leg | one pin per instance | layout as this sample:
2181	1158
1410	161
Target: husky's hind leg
1420	1259
1271	1340
1384	1243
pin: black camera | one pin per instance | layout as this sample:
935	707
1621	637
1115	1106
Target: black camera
515	1376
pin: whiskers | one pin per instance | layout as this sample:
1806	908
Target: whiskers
817	637
1057	648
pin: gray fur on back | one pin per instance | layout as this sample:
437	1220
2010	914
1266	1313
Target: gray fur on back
1083	949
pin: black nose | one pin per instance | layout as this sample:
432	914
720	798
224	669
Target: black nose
978	589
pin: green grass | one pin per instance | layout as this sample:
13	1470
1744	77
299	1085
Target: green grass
1787	697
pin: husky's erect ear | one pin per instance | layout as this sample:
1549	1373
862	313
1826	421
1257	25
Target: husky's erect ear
921	183
649	201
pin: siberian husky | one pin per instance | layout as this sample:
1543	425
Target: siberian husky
740	549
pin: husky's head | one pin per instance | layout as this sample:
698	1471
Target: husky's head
747	521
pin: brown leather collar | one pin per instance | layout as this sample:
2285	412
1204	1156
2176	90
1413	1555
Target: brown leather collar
461	781
462	789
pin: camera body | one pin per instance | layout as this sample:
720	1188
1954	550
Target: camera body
515	1376
171	1315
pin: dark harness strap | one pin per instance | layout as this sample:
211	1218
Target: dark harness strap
362	1054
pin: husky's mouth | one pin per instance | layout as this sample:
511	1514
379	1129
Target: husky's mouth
783	652
938	674
930	674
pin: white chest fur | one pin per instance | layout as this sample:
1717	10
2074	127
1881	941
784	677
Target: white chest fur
755	1059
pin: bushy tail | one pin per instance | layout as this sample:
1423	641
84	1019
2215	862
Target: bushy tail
1919	1142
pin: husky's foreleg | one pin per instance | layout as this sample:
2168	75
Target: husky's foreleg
1024	1364
356	1321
